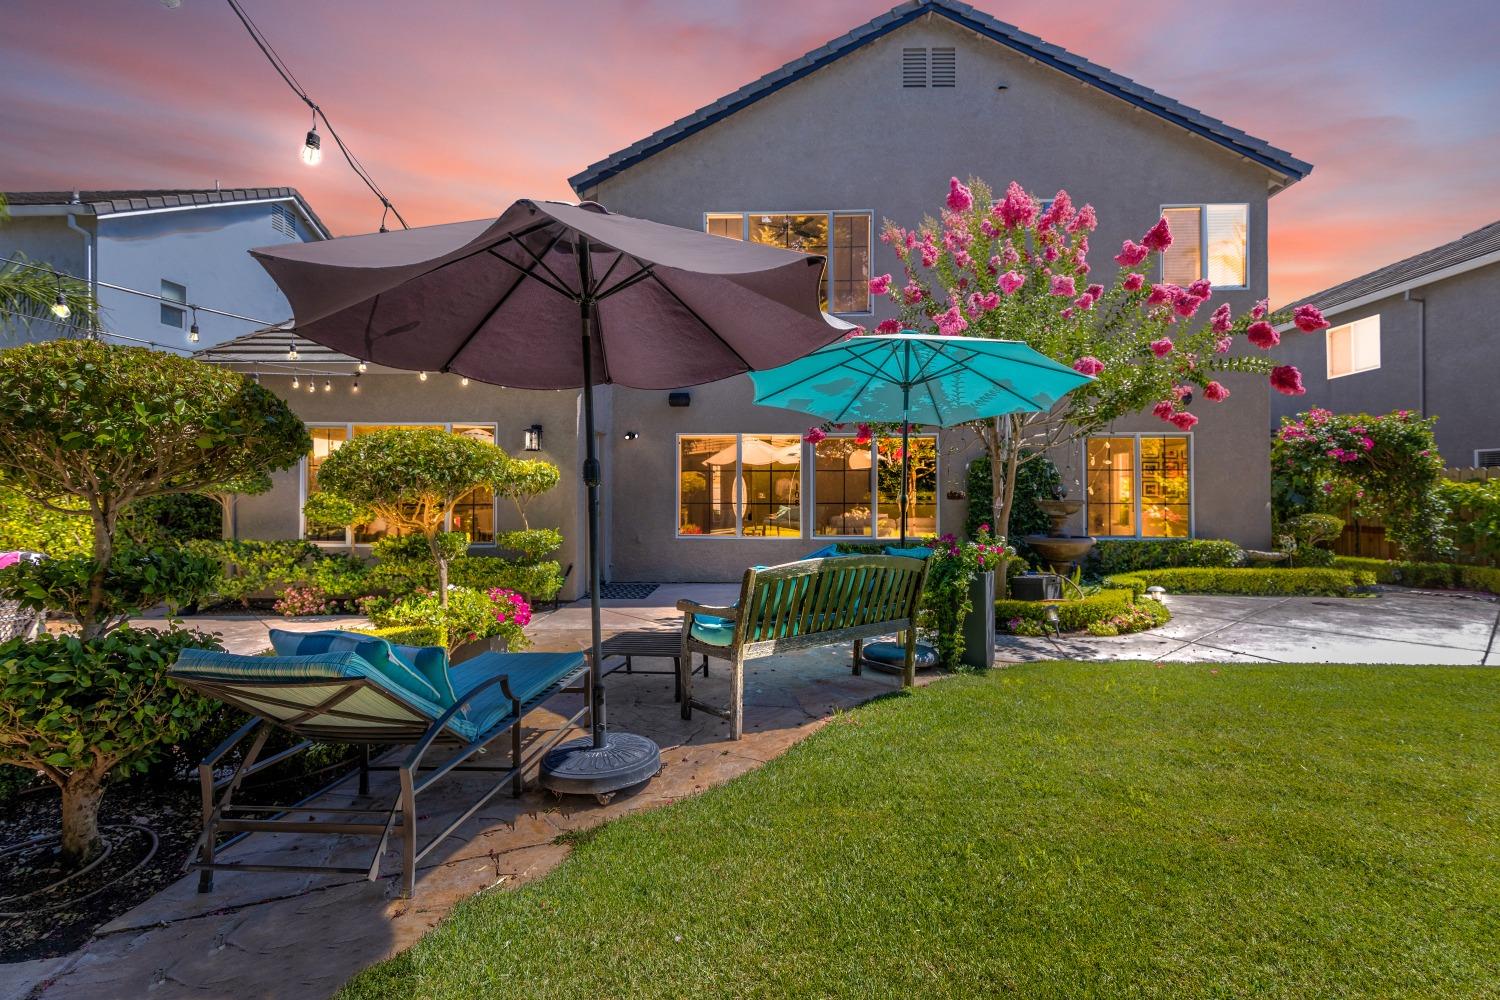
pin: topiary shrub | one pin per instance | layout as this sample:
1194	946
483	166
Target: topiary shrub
250	567
1259	582
171	520
531	545
539	581
1119	607
79	709
1110	556
1308	533
468	615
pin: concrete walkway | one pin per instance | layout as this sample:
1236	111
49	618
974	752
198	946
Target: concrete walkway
1393	626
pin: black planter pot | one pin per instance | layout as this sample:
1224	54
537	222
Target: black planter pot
979	624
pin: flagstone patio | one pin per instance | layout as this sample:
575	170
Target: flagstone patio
293	936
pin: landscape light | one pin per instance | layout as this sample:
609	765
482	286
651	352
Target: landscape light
312	148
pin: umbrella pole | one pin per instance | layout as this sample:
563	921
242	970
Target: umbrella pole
591	480
905	454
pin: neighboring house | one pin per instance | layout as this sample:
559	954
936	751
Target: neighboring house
180	247
814	156
1420	334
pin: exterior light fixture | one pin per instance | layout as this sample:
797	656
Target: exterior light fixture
291	352
363	367
464	381
632	435
421	376
1156	593
532	438
312	148
60	307
1053	620
312	386
193	330
328	385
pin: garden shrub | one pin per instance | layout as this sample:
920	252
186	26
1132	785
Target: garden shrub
250	567
539	581
27	526
1036	479
469	614
408	635
80	709
136	579
1426	575
1307	533
1112	556
533	544
1475	509
171	519
1255	582
1119	606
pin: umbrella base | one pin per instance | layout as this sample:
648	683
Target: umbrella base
580	768
890	657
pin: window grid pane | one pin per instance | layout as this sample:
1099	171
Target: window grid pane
1111	486
730	226
706	485
841	487
1182	264
771	484
1165	511
325	441
921	514
1227	227
851	263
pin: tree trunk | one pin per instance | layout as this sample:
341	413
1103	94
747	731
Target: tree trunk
104	550
81	795
436	548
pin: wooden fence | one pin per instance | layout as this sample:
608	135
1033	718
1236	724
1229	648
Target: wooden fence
1364	538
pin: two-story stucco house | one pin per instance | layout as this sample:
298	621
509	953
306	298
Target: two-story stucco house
814	156
152	256
1420	334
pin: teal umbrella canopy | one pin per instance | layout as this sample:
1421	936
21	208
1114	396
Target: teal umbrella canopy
917	378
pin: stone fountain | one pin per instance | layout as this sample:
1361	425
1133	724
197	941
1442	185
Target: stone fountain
1061	550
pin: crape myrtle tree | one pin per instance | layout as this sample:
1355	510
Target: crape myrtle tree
412	479
1007	269
91	428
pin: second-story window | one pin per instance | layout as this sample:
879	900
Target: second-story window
1208	241
173	304
844	237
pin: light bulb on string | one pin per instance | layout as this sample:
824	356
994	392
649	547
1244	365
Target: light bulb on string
193	330
421	376
291	352
312	386
362	366
295	382
355	387
328	385
464	381
60	307
312	146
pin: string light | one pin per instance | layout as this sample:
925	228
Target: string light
356	386
421	376
193	330
312	386
291	352
60	307
363	367
295	382
312	146
328	385
464	381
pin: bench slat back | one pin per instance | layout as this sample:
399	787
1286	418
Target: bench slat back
827	595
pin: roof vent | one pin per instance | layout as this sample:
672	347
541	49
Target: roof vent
282	221
913	67
1487	458
944	67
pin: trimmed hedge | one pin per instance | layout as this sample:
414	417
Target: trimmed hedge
536	581
1129	555
1254	582
1078	615
1427	575
407	635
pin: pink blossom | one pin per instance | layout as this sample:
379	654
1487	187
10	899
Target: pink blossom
1133	281
1017	209
1369	443
1086	220
1062	284
1263	335
814	435
1182	392
888	326
1088	365
1164	409
912	293
929	255
1131	253
1259	310
960	198
962	260
1011	256
1222	345
1215	392
1059	213
1067	313
1309	318
1084	302
989	229
1159	236
1287	380
1221	321
1202	288
1010	281
1161	348
1187	305
911	240
1051	253
951	323
1096	290
1162	294
880	284
1183	421
863	434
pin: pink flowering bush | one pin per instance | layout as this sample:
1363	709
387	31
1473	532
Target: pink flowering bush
1384	468
1004	268
294	602
946	600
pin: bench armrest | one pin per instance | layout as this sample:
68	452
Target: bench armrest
694	608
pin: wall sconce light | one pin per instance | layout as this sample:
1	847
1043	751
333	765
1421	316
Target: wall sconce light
532	438
679	399
632	435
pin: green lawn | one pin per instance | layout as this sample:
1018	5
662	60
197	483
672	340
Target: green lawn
1048	830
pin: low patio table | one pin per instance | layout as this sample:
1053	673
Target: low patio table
666	645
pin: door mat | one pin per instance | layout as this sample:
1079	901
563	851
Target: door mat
626	591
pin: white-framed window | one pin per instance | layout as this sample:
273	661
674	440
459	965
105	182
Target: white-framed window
1353	347
1139	486
173	304
1487	458
776	485
843	236
1208	241
474	513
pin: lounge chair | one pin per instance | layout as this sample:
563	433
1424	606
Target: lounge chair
797	606
345	687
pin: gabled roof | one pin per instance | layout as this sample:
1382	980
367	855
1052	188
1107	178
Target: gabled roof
107	203
1476	249
1279	161
268	346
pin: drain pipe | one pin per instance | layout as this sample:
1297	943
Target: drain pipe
88	248
1421	350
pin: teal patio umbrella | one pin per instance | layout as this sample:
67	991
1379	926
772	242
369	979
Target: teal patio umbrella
917	378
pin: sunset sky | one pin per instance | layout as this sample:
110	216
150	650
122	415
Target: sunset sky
1394	103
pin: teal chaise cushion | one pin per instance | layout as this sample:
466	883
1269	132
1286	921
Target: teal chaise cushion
375	651
529	675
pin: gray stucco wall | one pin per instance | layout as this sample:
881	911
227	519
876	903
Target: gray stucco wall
43	240
1463	354
850	137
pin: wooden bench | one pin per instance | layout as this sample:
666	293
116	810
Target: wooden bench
799	606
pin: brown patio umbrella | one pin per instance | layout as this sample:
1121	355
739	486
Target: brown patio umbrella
558	296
